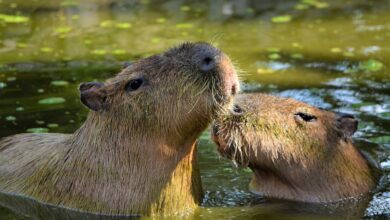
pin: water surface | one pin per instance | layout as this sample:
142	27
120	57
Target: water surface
332	54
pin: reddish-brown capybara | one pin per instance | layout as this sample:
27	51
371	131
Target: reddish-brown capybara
135	153
296	151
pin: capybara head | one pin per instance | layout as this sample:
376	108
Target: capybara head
178	90
272	132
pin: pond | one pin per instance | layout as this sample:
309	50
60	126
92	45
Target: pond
332	54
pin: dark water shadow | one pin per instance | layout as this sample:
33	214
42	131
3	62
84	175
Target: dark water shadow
30	208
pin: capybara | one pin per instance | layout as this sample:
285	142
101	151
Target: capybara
296	151
135	153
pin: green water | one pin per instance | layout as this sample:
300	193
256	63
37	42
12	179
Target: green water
333	54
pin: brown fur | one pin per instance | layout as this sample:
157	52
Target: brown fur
136	153
291	158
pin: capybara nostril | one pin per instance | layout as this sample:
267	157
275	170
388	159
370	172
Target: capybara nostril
206	57
207	63
237	110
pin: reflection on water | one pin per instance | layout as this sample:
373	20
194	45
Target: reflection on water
332	54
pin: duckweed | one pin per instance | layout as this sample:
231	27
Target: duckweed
184	25
282	19
119	51
13	18
274	56
371	65
51	101
10	118
63	30
99	52
46	49
59	83
185	8
161	20
3	85
37	130
52	125
123	25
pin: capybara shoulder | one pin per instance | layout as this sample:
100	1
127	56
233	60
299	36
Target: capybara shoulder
296	151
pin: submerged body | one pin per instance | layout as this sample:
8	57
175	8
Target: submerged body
296	151
135	153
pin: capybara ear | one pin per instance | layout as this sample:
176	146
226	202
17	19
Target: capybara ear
126	64
347	123
93	95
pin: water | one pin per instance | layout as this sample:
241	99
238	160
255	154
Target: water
332	54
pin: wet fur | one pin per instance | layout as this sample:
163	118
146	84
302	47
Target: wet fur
305	162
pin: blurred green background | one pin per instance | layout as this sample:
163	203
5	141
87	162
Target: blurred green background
330	53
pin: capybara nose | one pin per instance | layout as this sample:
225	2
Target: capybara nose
206	57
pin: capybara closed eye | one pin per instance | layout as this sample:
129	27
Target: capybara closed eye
296	151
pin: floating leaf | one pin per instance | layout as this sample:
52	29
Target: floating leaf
273	50
296	56
3	85
155	40
371	65
10	118
335	50
185	8
184	25
301	7
274	56
282	19
60	83
99	52
69	3
265	70
51	101
119	51
161	20
11	78
46	49
52	125
37	130
321	5
107	23
123	25
39	122
63	30
13	18
21	45
348	54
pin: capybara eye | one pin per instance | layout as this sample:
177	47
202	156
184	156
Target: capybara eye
306	117
133	85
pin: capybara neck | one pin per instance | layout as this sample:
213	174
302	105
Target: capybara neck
343	174
296	151
154	168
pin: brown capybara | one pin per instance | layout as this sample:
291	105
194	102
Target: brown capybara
296	151
135	153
